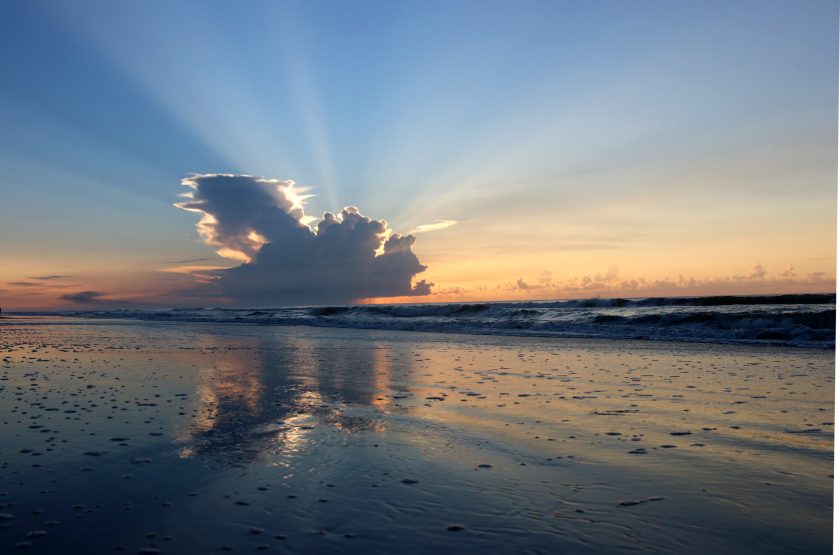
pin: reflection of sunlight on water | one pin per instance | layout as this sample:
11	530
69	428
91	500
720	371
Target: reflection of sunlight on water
256	406
226	391
381	378
292	431
263	400
360	420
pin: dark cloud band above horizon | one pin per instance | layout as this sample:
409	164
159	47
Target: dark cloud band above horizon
345	258
84	297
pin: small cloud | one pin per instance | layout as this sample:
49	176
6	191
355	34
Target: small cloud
790	272
48	277
83	297
437	226
25	284
758	272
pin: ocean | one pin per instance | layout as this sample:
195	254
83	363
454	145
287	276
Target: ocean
806	320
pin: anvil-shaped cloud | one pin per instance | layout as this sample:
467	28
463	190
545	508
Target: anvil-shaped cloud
261	222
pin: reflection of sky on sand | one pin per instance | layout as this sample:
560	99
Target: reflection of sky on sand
277	397
263	399
390	437
624	400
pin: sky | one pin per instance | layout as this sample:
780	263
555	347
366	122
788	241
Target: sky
463	151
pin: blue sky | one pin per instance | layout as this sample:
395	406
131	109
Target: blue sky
563	137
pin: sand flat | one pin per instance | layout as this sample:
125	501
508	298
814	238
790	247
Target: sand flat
129	436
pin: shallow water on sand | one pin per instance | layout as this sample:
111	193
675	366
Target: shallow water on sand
188	438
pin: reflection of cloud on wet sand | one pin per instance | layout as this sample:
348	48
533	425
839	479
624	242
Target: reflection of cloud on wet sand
265	400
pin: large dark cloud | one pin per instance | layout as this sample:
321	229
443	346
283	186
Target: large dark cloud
344	258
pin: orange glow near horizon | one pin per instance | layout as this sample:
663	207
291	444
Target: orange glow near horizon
454	282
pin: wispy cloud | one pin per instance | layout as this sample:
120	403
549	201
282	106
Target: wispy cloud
188	261
437	226
45	284
47	278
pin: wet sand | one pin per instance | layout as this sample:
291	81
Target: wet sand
192	438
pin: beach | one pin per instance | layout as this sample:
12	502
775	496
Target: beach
201	437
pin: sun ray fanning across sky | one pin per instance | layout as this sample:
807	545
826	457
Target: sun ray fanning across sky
562	139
